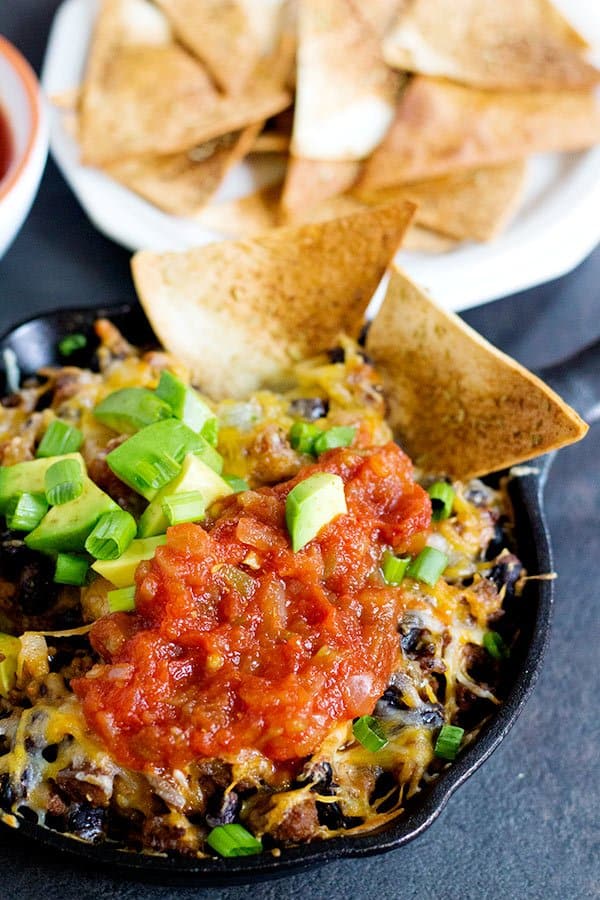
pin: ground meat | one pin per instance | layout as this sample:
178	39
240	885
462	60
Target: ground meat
163	835
84	785
298	824
272	457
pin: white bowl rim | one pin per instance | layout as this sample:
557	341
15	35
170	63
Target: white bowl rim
29	80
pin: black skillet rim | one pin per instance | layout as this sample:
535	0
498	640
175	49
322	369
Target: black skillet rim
533	544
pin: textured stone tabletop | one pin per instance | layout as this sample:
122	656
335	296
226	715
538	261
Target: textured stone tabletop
527	824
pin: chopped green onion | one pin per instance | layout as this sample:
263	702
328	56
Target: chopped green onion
71	569
189	506
63	481
428	565
186	404
394	567
59	439
129	409
495	645
10	648
112	535
340	436
448	741
236	484
210	431
71	343
154	473
26	511
303	436
121	600
442	497
368	731
233	840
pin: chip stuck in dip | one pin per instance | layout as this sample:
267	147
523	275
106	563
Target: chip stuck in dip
261	623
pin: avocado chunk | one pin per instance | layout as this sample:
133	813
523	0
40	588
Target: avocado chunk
130	409
28	477
312	504
195	476
9	652
185	403
65	528
121	571
152	458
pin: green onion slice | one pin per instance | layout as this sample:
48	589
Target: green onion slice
233	840
71	569
368	731
442	497
394	567
236	484
26	511
448	741
428	565
72	342
189	506
210	431
303	436
495	645
122	600
154	473
63	481
59	439
339	436
112	535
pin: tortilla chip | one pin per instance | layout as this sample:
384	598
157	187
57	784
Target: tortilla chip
382	14
145	95
497	44
238	313
181	184
471	205
309	182
424	240
346	95
219	34
458	405
442	127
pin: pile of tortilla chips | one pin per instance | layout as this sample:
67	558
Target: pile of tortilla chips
439	102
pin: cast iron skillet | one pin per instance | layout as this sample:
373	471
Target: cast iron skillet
34	344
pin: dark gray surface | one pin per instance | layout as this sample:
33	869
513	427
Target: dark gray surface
526	825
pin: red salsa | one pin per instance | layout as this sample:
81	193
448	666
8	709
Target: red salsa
239	643
6	145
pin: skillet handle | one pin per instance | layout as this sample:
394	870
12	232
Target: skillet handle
577	380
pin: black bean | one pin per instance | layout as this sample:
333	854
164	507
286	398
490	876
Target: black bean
331	816
7	794
87	822
505	573
310	408
319	773
225	812
336	355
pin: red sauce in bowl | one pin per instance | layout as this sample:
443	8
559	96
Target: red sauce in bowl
6	144
237	642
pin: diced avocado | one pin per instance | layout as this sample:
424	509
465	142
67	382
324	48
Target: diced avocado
209	455
121	571
195	475
65	528
312	504
28	477
185	403
130	409
9	651
151	458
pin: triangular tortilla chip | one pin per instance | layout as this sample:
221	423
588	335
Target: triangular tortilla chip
238	313
145	95
458	405
441	127
471	205
346	94
309	182
498	44
219	34
424	240
181	184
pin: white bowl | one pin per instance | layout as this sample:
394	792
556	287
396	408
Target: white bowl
22	105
